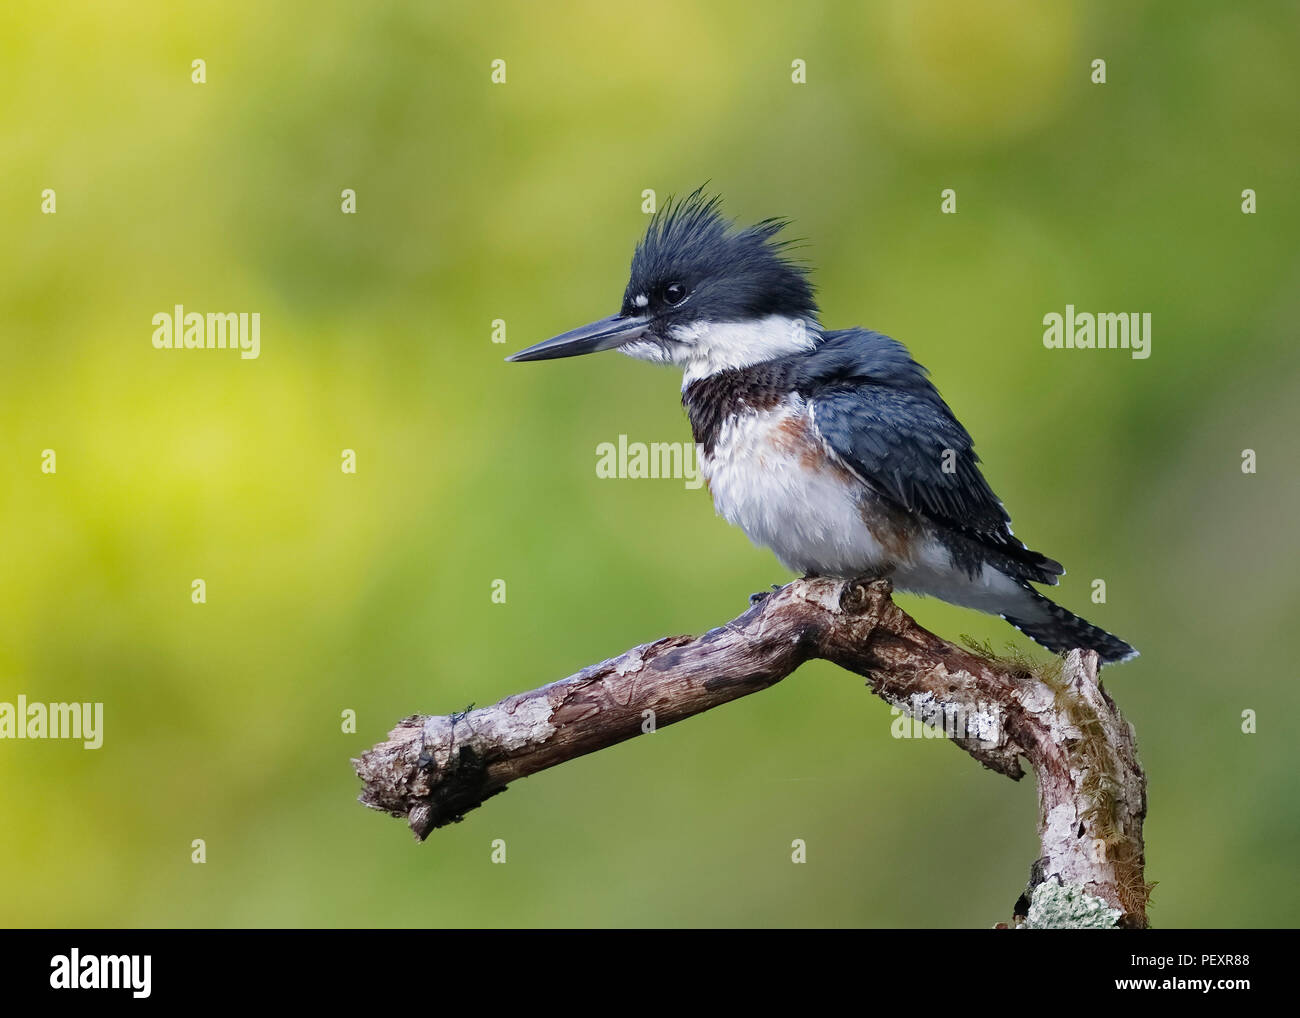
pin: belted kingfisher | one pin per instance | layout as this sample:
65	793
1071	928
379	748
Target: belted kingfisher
830	447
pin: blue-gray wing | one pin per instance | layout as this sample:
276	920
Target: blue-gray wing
875	408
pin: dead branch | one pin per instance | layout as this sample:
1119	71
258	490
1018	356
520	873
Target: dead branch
1091	789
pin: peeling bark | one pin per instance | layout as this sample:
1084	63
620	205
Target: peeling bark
1091	789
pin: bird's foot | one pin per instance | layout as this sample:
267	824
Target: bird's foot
763	595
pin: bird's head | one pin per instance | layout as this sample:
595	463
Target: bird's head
702	294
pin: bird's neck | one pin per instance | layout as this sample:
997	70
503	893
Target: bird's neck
712	348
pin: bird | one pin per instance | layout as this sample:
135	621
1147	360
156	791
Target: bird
830	447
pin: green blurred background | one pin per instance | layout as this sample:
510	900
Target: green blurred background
521	201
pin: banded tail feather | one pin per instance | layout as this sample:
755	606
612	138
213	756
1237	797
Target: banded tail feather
1060	630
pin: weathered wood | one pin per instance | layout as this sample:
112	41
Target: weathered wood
1091	789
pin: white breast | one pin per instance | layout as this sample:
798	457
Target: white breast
765	478
761	482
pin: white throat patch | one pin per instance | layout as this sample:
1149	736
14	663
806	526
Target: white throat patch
710	347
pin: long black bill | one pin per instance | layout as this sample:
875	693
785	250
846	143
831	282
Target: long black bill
602	335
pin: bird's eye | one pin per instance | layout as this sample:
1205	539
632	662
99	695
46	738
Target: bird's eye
675	293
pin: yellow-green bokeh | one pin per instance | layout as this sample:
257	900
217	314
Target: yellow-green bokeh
521	202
